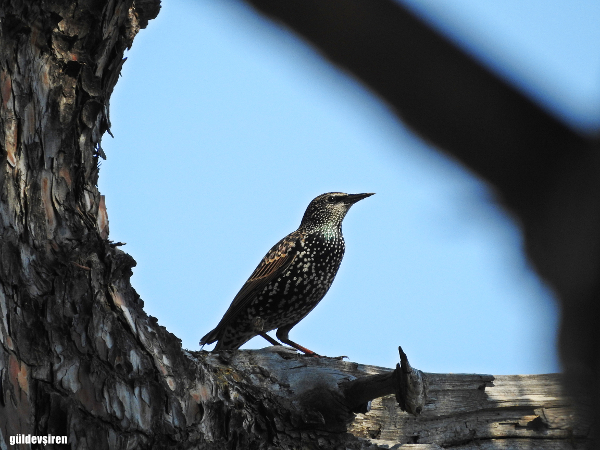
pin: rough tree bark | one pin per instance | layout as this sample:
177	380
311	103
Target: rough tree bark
80	358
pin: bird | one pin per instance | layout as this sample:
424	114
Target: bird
290	280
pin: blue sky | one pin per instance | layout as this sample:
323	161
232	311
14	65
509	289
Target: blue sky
227	126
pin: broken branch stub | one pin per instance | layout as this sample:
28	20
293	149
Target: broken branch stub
409	386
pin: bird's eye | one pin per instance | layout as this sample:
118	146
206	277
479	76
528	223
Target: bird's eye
330	199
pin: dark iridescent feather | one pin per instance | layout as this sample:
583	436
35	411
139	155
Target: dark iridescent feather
276	261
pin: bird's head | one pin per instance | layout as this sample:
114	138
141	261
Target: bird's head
328	210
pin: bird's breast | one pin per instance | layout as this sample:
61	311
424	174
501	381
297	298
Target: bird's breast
320	258
303	284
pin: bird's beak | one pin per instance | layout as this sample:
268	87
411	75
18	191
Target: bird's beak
353	198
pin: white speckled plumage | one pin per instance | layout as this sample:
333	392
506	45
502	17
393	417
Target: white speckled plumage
291	279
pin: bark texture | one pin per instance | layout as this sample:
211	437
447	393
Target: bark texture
68	363
78	355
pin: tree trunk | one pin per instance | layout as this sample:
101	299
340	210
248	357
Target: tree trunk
80	358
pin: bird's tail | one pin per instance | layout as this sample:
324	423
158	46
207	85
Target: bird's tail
209	338
216	335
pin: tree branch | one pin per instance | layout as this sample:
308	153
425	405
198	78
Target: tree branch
407	384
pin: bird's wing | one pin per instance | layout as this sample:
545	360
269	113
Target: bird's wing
275	262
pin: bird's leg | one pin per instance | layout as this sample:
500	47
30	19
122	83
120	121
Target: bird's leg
282	335
269	338
299	347
258	326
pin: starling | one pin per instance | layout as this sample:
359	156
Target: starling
290	280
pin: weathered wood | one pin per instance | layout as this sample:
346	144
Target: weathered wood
462	410
359	393
412	384
468	411
407	384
